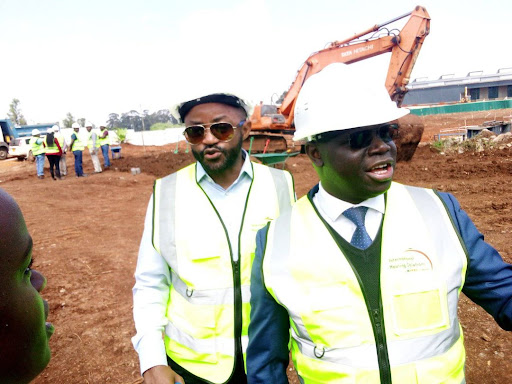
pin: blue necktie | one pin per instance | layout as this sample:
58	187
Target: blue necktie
360	238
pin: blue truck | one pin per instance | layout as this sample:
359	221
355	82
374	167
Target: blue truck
9	132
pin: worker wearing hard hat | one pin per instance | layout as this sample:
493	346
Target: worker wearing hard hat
194	264
38	151
104	141
94	146
77	147
64	146
363	273
53	153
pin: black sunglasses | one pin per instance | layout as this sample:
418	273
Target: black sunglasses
222	131
363	138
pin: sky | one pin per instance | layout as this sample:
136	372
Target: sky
95	57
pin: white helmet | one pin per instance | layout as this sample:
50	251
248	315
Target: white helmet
88	124
75	125
55	128
342	97
49	130
36	132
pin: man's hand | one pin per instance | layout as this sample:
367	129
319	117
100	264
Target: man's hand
162	374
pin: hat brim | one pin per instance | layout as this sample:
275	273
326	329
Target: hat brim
221	98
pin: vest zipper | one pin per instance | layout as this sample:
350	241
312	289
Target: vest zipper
238	310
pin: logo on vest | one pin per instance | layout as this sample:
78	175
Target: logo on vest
412	260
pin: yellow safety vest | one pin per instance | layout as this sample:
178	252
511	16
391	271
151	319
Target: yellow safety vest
89	140
78	145
103	140
207	286
51	149
37	149
423	266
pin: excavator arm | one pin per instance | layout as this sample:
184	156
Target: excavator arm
404	47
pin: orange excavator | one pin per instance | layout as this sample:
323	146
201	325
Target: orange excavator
272	125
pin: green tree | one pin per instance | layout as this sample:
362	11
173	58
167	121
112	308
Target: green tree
81	121
68	121
15	113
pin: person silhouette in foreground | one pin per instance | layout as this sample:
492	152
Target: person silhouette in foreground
24	332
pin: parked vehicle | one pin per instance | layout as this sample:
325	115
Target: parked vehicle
21	149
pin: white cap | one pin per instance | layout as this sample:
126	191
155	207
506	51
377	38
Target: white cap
88	124
55	128
340	97
35	132
75	125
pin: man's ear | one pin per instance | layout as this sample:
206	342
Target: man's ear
246	128
314	154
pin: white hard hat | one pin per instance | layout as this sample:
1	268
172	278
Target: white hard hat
88	124
75	125
55	128
341	97
35	132
49	130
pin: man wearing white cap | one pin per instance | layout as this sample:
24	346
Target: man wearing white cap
64	146
38	151
94	145
364	273
77	147
191	295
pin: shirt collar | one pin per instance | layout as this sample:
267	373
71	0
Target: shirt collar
246	170
334	207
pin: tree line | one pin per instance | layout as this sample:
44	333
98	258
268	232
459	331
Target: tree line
129	120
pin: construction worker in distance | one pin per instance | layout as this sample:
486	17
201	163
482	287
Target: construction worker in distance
191	293
64	146
94	145
38	151
363	275
104	141
24	332
53	153
77	147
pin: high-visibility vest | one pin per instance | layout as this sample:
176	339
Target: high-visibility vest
78	144
37	149
423	266
89	140
208	287
53	149
103	140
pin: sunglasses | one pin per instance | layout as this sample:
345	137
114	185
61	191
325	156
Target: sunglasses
222	131
363	138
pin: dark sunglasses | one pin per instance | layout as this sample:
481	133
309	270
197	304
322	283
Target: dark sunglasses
363	138
222	131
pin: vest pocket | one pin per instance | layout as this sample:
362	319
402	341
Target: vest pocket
420	310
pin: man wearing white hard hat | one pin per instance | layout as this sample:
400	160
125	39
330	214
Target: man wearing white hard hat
38	151
361	278
64	146
194	264
94	146
77	147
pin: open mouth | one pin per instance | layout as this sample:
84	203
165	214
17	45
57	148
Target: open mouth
382	171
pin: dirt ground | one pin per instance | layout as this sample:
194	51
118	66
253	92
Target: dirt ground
86	234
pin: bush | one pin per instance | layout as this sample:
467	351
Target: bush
121	134
160	126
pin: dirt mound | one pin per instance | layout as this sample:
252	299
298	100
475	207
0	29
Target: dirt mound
409	136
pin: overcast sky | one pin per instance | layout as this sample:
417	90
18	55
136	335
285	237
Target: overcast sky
95	57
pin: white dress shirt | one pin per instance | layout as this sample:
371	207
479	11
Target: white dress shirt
152	277
331	209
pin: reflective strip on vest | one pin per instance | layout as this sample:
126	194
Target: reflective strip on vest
200	311
423	264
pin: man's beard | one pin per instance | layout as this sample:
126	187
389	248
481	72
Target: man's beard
218	167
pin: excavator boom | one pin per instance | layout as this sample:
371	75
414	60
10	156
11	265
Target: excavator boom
270	123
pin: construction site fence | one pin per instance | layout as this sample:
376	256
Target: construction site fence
461	107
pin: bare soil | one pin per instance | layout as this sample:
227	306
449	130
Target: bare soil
86	235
